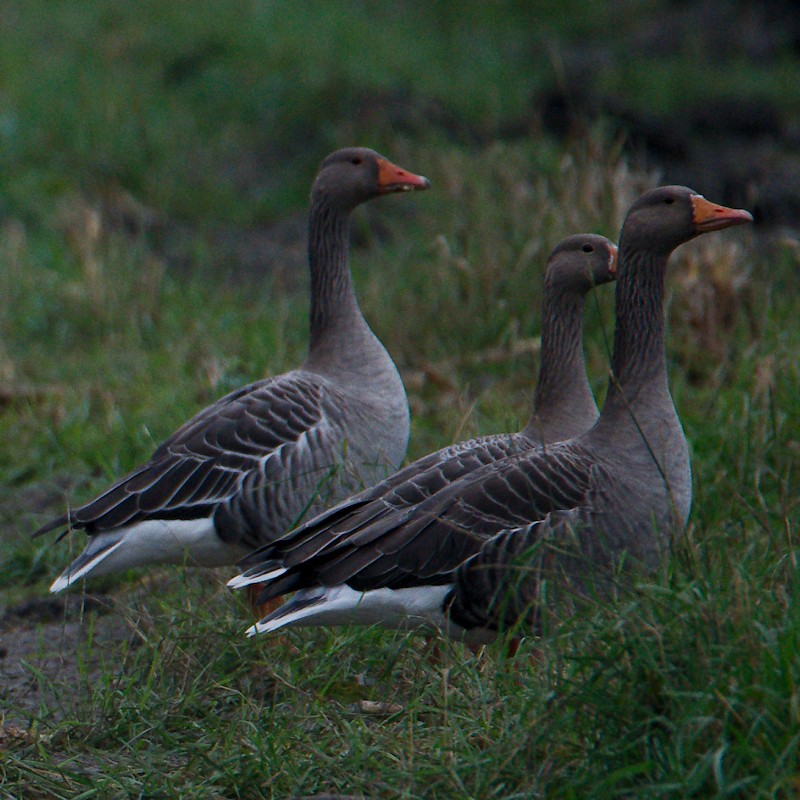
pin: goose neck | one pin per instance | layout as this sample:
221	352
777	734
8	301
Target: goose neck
333	300
639	359
562	389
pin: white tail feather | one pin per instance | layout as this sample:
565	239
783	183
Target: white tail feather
70	575
341	605
150	542
244	580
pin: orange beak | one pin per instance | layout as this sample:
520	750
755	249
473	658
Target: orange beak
612	260
392	178
711	217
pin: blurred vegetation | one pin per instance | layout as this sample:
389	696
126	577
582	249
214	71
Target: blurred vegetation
154	165
220	111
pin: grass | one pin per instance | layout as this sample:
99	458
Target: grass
128	143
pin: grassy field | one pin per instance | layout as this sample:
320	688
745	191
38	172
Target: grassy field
154	166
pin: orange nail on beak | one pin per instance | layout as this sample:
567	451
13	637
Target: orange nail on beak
612	260
392	178
709	216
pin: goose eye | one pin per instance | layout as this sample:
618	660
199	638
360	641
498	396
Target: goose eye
357	161
587	248
669	200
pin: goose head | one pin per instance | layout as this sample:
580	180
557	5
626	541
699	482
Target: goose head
664	218
581	262
353	175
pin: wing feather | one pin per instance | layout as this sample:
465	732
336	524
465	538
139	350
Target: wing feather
365	516
500	586
403	546
254	440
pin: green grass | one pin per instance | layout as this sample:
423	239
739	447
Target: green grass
686	687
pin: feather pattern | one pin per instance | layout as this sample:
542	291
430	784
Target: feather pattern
205	464
428	542
502	585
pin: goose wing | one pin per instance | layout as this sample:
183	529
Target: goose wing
405	489
255	439
507	581
425	543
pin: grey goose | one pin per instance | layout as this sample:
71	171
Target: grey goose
245	469
620	490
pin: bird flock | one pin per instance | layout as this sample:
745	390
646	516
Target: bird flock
475	539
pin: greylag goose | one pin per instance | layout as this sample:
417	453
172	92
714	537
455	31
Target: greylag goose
245	469
563	403
623	487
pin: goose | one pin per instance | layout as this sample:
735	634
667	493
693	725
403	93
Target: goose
245	469
563	403
617	492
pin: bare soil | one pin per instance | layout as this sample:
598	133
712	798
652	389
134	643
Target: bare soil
43	651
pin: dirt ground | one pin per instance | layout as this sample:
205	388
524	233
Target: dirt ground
43	648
